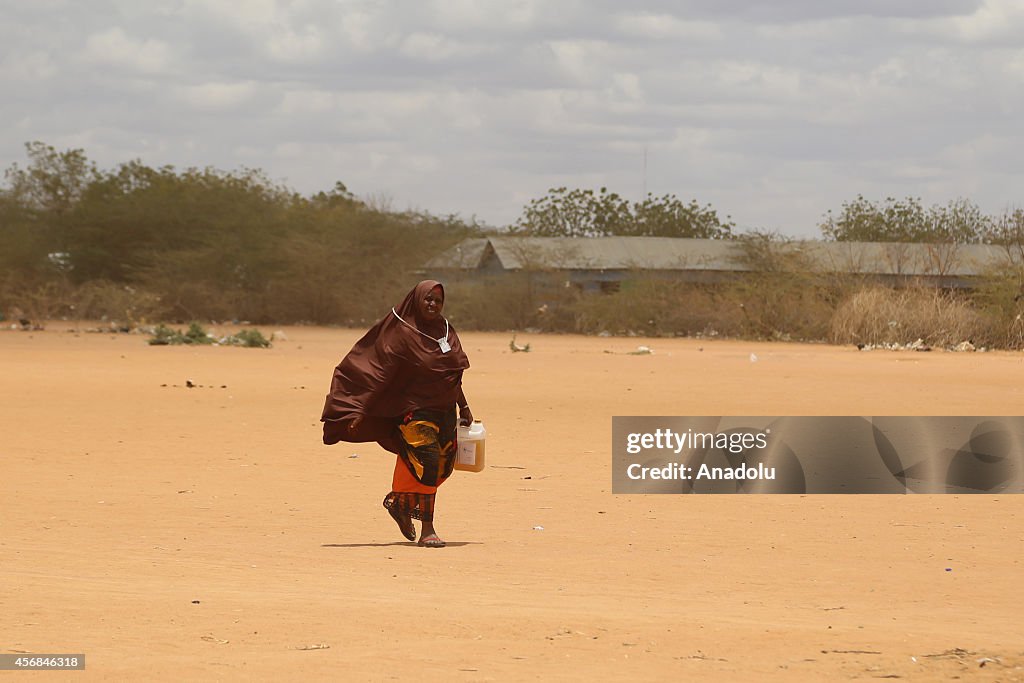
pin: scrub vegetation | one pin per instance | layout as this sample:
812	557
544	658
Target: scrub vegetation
136	244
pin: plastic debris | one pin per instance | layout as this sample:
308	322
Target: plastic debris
918	345
517	348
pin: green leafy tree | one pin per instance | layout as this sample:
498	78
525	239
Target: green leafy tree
37	207
905	220
667	216
335	249
53	181
586	213
23	246
1007	231
959	222
575	213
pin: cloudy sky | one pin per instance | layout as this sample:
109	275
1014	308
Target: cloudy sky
773	112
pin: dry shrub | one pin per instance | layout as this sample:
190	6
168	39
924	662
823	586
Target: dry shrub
773	306
1014	337
779	305
35	298
652	306
515	301
1000	296
102	300
878	315
184	300
781	295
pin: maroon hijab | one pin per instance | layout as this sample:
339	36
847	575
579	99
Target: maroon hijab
397	366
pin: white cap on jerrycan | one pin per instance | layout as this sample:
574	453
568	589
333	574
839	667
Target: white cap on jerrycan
472	440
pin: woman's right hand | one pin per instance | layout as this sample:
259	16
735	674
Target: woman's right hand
354	424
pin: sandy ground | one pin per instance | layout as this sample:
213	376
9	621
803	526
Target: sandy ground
172	533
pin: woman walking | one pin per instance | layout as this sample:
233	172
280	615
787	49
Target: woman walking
399	386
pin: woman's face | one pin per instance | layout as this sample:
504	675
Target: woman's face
432	304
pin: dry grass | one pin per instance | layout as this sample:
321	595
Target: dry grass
1001	298
656	307
101	300
769	305
878	315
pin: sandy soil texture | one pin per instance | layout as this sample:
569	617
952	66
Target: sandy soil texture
205	533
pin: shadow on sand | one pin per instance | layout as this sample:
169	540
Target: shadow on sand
449	544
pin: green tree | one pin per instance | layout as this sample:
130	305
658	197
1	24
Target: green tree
575	213
959	222
210	242
336	250
667	216
905	220
37	207
586	213
23	246
53	181
1007	231
201	244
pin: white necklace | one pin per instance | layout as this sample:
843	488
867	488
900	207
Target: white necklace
441	341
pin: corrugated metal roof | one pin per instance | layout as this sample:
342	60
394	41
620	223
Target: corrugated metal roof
669	253
903	258
612	253
467	254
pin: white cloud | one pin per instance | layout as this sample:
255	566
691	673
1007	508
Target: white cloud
626	86
991	22
668	27
1013	66
996	19
217	96
296	46
309	102
113	47
757	79
29	67
774	112
363	32
472	15
583	61
435	47
243	13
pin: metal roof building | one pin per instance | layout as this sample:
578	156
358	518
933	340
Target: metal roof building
603	262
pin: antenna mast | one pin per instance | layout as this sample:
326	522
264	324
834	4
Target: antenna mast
644	197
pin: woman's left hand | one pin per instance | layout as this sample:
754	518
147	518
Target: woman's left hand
465	416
